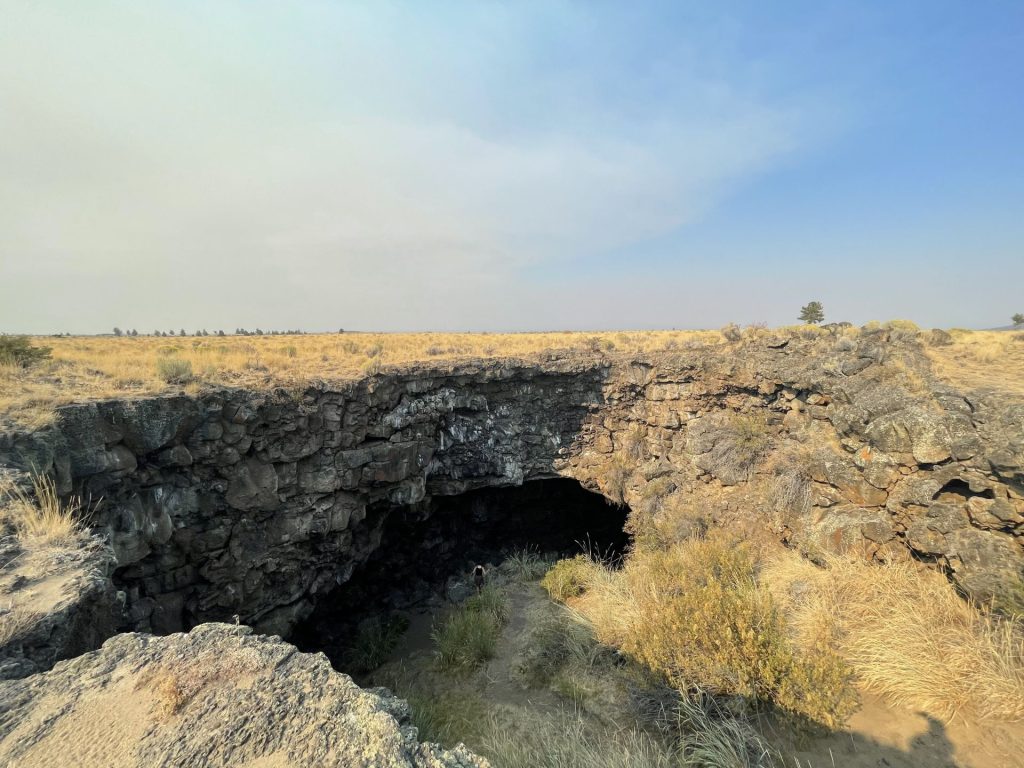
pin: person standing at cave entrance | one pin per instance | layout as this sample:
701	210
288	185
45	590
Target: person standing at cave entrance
479	574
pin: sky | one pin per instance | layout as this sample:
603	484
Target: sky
508	165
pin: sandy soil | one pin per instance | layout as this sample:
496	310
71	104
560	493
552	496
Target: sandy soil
879	735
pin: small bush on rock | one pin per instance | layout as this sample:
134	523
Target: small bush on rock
732	332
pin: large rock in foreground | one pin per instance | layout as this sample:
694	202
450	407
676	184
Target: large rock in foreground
217	696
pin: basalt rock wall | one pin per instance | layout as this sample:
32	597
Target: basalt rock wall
253	504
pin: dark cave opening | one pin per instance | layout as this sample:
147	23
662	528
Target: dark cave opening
424	545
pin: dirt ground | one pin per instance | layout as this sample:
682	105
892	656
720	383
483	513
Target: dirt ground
879	735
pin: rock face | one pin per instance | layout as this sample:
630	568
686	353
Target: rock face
256	503
218	696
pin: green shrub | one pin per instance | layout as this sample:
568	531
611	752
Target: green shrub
468	636
568	578
526	565
490	601
18	350
174	370
465	640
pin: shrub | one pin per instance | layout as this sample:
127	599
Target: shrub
732	332
468	636
614	478
174	370
569	578
526	565
738	443
696	614
907	634
18	350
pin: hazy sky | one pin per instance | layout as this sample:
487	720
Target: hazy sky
516	165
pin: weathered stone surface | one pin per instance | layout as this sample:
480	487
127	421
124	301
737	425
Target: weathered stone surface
245	503
218	696
57	603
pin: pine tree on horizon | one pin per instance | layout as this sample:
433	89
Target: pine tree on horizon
812	312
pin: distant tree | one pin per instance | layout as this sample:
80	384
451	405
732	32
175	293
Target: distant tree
220	333
1018	319
134	332
812	313
341	330
259	332
118	331
181	332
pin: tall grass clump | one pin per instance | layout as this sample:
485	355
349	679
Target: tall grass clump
43	519
174	370
569	578
526	565
907	634
468	636
567	741
696	614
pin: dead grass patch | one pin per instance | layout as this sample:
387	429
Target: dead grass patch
15	621
906	634
43	520
84	367
981	359
696	614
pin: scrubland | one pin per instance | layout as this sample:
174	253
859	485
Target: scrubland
101	367
96	367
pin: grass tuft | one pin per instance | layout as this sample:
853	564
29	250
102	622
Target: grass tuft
468	636
44	520
906	634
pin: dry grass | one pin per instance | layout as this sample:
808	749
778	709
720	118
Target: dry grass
101	367
15	621
175	686
696	614
906	634
980	359
43	521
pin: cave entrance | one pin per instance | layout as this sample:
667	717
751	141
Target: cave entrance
425	546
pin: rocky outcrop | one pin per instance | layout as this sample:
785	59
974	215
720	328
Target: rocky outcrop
218	696
256	503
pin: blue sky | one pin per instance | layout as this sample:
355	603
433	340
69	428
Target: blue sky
508	165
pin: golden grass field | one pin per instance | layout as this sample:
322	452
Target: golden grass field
95	367
980	359
91	367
